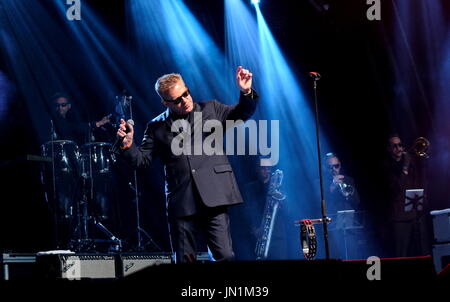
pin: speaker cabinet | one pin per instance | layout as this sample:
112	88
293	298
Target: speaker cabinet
77	266
132	263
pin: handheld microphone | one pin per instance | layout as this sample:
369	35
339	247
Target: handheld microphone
315	75
120	139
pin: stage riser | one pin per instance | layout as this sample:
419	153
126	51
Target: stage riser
156	267
77	266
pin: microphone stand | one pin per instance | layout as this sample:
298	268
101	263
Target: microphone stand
126	101
316	77
136	194
54	205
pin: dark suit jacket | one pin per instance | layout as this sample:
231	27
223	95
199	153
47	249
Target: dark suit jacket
397	183
192	178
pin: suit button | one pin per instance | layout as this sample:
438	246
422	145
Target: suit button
193	170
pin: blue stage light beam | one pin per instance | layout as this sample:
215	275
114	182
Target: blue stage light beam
168	32
419	55
282	98
31	52
107	56
242	42
63	55
5	95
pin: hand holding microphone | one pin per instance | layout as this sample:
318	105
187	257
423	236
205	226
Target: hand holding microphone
125	133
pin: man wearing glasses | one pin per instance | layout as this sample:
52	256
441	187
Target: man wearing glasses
341	188
67	124
409	227
199	188
341	197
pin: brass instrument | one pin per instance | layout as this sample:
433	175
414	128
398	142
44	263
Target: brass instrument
274	198
346	189
420	147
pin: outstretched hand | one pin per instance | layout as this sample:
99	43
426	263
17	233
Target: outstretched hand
244	79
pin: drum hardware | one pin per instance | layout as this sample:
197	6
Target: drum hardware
52	138
95	163
85	166
118	243
32	157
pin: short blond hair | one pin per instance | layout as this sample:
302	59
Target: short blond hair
167	82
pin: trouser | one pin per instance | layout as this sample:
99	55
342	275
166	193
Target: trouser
214	223
411	238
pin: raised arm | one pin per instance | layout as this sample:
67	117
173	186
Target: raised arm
247	100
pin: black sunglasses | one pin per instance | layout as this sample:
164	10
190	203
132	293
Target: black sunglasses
400	145
180	98
61	105
336	166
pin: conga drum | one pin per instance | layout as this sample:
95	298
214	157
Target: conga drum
96	167
61	177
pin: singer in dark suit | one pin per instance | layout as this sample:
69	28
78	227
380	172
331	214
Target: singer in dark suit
199	188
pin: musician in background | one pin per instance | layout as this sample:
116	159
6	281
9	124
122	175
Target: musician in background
67	124
340	189
62	182
246	219
409	228
341	195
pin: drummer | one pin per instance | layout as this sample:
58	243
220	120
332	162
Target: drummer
67	126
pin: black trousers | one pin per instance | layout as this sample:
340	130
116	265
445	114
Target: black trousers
214	223
411	238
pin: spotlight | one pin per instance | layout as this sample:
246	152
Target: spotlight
255	2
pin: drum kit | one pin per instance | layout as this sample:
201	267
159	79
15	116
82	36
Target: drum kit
78	185
78	179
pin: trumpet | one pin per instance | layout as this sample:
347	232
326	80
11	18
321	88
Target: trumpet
420	147
346	189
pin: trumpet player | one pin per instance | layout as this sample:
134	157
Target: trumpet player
342	193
